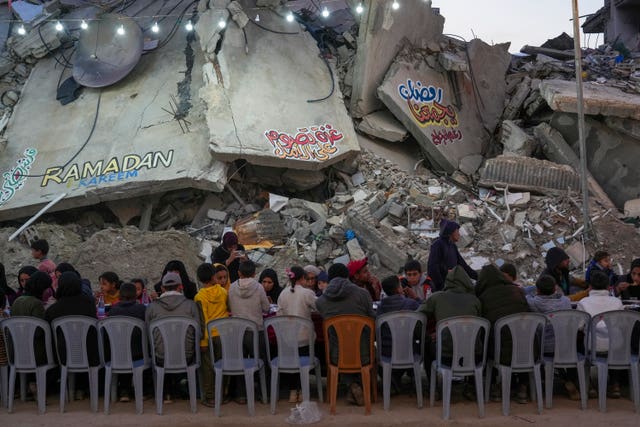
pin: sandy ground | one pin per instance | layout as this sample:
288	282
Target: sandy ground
403	411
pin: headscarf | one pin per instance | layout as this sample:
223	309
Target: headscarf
224	285
229	239
274	293
447	228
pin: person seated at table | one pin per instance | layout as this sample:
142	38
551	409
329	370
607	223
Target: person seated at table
269	281
110	287
558	262
599	301
415	280
360	275
629	286
601	262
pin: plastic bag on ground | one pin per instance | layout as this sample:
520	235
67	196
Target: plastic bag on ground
305	413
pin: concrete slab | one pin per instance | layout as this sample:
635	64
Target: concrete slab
137	148
382	31
383	125
257	102
441	109
611	156
598	100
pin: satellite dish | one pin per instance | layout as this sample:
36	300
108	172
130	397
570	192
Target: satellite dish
107	51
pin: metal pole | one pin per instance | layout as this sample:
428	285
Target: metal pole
36	216
581	126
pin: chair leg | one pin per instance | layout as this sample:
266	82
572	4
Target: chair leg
219	392
333	389
275	377
386	385
417	374
159	389
582	383
23	387
446	393
635	385
114	388
318	372
248	381
63	387
41	382
374	382
107	390
12	388
193	395
505	373
72	387
93	387
432	385
263	384
4	379
137	389
304	383
602	387
548	384
366	389
537	375
479	391
487	382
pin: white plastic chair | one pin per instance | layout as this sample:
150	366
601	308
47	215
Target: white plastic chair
620	325
566	325
173	330
288	330
4	375
75	331
402	325
464	332
233	361
526	334
119	330
20	332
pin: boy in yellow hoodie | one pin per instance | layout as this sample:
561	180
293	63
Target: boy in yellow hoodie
212	300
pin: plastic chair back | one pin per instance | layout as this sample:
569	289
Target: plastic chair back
464	331
232	331
288	330
402	326
566	325
19	333
75	330
348	329
173	330
119	331
620	325
526	333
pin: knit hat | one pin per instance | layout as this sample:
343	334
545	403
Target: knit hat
312	269
357	265
323	276
171	279
229	239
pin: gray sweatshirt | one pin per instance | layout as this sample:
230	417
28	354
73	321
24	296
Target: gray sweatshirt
248	300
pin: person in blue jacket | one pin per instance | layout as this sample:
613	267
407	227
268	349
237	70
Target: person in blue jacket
444	255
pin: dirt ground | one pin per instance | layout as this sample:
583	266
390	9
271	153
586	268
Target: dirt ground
403	412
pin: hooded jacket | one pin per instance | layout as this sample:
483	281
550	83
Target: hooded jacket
173	304
545	304
212	301
248	300
343	297
598	302
499	298
444	255
554	257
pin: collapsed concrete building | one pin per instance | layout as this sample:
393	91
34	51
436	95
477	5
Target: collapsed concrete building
619	20
266	96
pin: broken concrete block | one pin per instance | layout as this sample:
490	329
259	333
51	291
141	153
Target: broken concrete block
396	210
381	212
217	215
518	199
467	234
357	179
452	62
6	65
237	14
336	233
206	247
515	140
360	195
310	253
401	230
578	254
355	251
632	208
376	201
626	126
344	259
383	125
31	44
512	109
466	212
470	164
324	251
598	99
508	233
529	174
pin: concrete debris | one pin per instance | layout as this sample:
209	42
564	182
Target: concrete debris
37	43
383	125
452	62
515	140
238	14
355	251
632	208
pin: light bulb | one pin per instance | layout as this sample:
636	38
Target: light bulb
59	26
395	5
84	25
257	18
21	30
120	30
359	9
222	23
155	28
325	12
289	17
189	26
